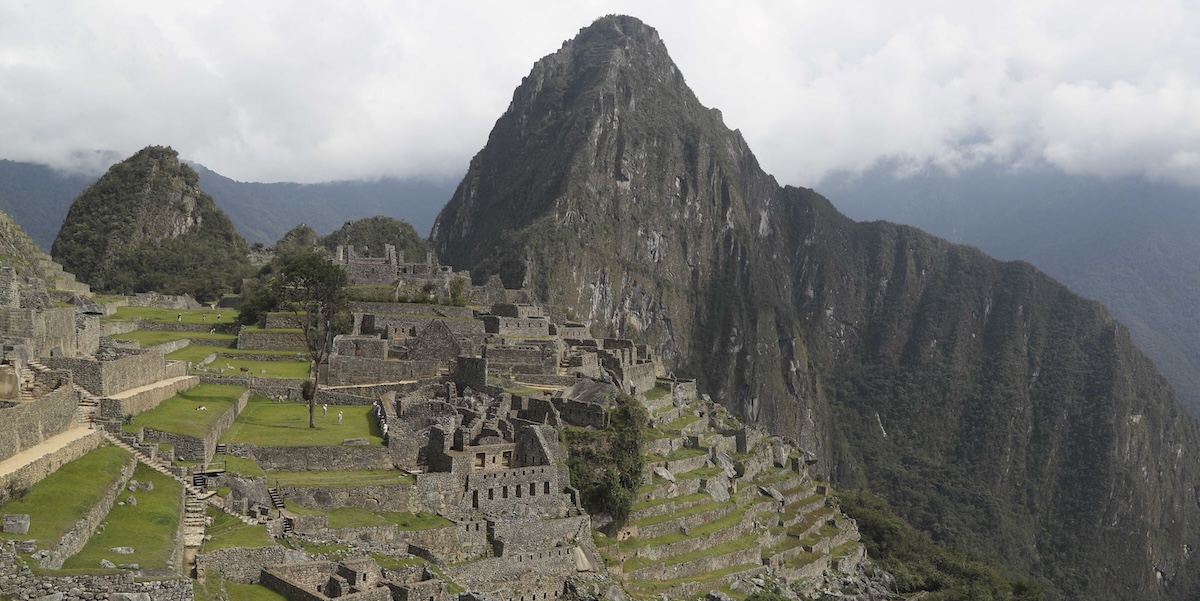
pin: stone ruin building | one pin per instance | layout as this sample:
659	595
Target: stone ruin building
470	403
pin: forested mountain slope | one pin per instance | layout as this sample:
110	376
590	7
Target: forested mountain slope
1127	242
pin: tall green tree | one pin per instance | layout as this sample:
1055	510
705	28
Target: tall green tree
314	291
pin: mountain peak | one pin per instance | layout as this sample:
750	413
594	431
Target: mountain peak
926	370
147	225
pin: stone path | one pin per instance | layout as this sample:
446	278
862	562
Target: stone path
50	445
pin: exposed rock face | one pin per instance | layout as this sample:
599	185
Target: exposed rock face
147	225
995	408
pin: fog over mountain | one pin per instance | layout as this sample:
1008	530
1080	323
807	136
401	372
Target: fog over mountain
268	93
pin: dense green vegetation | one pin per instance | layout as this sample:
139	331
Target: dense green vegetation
606	465
147	226
371	234
918	564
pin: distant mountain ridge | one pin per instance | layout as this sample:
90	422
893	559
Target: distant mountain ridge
1127	242
37	197
998	411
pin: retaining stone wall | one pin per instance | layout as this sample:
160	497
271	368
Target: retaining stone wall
113	328
412	309
145	400
28	424
694	544
697	566
35	471
363	370
691	521
244	564
75	539
529	536
104	378
384	497
315	458
17	581
461	542
191	448
269	340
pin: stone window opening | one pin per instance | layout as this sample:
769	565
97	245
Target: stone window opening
504	492
533	489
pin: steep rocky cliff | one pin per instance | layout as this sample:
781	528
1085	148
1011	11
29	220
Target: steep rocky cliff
147	225
998	411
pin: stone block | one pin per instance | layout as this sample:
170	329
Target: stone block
106	564
129	597
356	442
26	546
16	523
122	550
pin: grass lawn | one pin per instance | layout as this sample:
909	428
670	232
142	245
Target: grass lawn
149	527
178	414
656	393
228	531
240	465
149	338
55	503
338	478
202	316
195	353
354	517
266	423
217	588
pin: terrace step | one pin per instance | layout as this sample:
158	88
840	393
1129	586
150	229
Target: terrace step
276	498
193	518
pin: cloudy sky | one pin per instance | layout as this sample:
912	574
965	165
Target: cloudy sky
314	91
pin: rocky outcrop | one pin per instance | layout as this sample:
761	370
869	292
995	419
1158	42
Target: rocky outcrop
990	404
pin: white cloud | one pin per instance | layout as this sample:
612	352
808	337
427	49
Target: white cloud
311	91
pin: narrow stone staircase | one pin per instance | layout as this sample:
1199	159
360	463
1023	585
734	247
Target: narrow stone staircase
89	404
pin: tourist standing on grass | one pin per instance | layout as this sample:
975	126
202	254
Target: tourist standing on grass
339	418
324	409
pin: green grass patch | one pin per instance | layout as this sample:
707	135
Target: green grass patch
240	465
227	531
703	472
702	530
682	422
738	544
701	508
339	478
149	338
217	589
266	423
354	517
656	393
60	499
644	589
677	500
194	353
149	527
192	316
179	414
